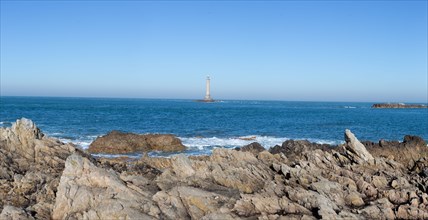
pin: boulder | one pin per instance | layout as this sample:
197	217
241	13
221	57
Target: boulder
117	142
355	150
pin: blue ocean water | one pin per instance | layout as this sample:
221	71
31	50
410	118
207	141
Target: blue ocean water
204	126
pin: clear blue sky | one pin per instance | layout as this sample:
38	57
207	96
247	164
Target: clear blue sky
311	50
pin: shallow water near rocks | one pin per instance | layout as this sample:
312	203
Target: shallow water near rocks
204	126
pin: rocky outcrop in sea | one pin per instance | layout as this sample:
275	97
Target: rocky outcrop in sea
398	105
117	142
43	178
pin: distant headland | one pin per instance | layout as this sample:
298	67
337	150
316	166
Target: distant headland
398	105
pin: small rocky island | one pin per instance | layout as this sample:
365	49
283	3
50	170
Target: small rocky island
116	142
398	105
43	178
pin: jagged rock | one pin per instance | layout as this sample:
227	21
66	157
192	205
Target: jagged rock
30	167
379	209
90	192
20	138
236	170
379	182
117	142
182	166
411	149
421	167
355	150
251	205
14	213
227	168
185	202
400	183
156	162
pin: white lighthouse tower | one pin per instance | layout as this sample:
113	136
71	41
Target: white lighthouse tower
207	93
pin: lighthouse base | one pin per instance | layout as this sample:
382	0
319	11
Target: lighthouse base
205	100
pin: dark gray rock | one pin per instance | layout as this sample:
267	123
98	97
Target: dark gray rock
407	152
397	105
294	148
254	148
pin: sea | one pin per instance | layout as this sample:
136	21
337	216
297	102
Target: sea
205	126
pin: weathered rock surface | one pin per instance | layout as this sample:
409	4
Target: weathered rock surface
30	167
312	182
86	191
117	142
328	184
11	212
407	152
355	150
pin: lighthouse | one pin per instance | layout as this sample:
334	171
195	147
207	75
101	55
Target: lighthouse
207	93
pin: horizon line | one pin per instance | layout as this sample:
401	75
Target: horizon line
194	99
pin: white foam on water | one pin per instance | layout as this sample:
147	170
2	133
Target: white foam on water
202	143
266	141
329	142
56	134
83	144
65	140
5	123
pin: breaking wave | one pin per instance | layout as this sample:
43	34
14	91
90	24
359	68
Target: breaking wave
201	143
198	145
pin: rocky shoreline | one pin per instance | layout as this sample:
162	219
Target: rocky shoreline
43	178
